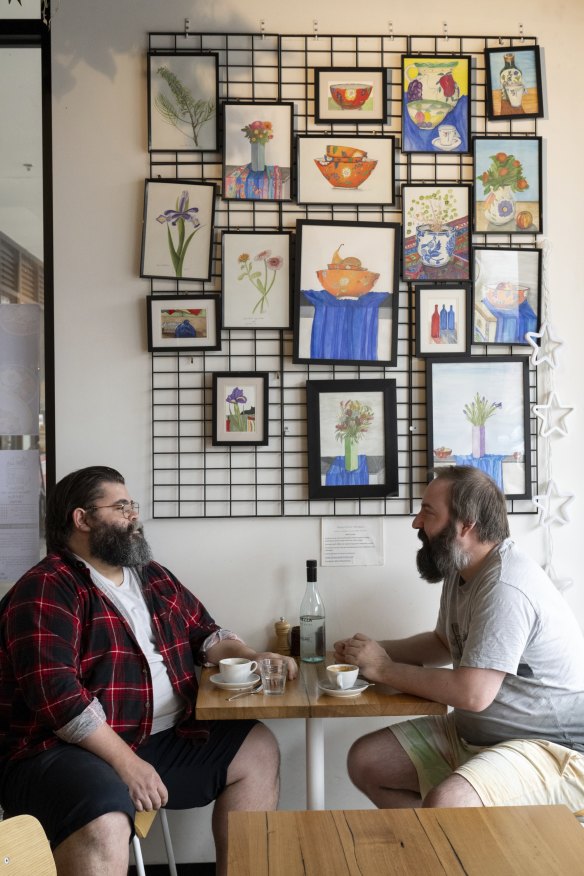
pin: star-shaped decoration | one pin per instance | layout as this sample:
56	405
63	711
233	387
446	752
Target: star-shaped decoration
547	351
552	505
560	584
551	415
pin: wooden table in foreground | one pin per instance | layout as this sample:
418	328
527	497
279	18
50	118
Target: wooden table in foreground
490	841
304	699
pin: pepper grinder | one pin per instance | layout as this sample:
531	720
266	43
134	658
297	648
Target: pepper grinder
282	628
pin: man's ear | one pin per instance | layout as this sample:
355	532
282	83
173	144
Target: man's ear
466	528
79	518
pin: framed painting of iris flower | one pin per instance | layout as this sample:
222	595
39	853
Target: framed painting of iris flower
240	408
352	439
183	323
177	232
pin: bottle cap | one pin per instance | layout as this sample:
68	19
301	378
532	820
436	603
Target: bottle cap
311	564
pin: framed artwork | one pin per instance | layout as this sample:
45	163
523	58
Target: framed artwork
508	189
346	292
177	232
182	101
513	85
507	294
345	170
183	322
257	150
436	228
352	439
442	319
256	279
436	103
350	94
240	407
478	414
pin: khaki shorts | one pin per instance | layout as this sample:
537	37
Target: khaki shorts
519	772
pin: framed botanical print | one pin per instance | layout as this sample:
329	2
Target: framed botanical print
240	408
436	103
352	439
350	94
442	319
514	89
177	231
506	294
346	292
256	279
183	323
436	232
478	414
508	185
345	170
182	101
257	150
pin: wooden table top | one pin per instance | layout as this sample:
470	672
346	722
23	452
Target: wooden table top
304	699
489	841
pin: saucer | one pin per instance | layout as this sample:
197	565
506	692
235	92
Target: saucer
218	679
436	142
358	688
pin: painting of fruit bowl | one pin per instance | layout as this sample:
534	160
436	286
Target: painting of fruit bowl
426	114
505	295
350	95
346	277
345	152
347	173
442	452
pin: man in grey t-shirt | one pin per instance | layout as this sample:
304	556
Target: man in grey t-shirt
515	734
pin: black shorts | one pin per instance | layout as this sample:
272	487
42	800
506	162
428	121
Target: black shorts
66	787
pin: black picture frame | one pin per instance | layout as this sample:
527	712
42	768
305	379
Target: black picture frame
506	294
180	119
175	326
494	389
266	181
436	220
352	321
362	92
242	385
328	404
521	96
442	319
499	208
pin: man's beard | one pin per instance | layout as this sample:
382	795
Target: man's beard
120	547
440	556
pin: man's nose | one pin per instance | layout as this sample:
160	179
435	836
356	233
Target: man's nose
417	522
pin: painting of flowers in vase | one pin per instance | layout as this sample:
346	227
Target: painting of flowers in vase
256	279
346	292
257	151
478	415
508	185
436	232
352	438
240	407
435	103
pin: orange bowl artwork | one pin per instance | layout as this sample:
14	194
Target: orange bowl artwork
345	167
506	295
350	95
346	278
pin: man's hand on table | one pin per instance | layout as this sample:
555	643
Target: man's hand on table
372	660
292	665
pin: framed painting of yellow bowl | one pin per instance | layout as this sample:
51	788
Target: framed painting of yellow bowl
345	170
346	292
350	94
436	103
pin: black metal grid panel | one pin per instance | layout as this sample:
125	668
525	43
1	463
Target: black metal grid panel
191	478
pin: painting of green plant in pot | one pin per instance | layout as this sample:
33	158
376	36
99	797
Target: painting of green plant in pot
508	185
436	232
183	101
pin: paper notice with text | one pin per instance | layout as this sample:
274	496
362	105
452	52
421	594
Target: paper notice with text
354	541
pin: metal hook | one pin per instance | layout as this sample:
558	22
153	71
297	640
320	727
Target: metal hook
390	24
500	41
445	30
187	26
521	31
315	27
263	28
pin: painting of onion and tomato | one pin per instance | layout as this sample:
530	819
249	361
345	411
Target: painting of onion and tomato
508	186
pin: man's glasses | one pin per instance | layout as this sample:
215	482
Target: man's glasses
126	508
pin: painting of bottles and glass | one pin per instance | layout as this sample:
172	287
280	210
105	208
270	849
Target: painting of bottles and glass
443	319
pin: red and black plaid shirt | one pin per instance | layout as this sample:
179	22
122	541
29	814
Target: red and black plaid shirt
62	643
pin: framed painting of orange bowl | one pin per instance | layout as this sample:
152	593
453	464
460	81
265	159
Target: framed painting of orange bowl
436	103
436	232
346	292
350	94
345	170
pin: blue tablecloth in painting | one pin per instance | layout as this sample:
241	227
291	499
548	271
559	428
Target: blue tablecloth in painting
345	328
490	463
338	476
512	323
422	139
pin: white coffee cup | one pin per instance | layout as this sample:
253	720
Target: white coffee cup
342	675
235	669
447	135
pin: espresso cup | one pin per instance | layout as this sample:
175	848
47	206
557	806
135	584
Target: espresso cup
447	135
234	669
342	675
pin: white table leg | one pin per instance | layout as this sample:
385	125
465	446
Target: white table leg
315	763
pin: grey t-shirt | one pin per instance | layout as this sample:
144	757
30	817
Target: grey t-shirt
510	617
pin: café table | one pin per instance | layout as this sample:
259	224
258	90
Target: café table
487	841
304	699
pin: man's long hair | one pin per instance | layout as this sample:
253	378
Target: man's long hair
80	489
476	498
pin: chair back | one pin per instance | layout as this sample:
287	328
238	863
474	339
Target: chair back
24	848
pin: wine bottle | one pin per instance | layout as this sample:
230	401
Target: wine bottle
435	323
312	619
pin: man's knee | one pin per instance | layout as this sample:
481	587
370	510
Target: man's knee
259	753
107	836
454	791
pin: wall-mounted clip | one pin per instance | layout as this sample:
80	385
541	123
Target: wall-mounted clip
445	30
263	28
390	25
187	26
500	41
315	28
521	31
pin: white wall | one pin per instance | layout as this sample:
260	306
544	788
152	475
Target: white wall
249	572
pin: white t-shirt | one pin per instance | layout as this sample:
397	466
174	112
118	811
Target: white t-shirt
510	617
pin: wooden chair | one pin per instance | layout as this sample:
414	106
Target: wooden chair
24	848
142	824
